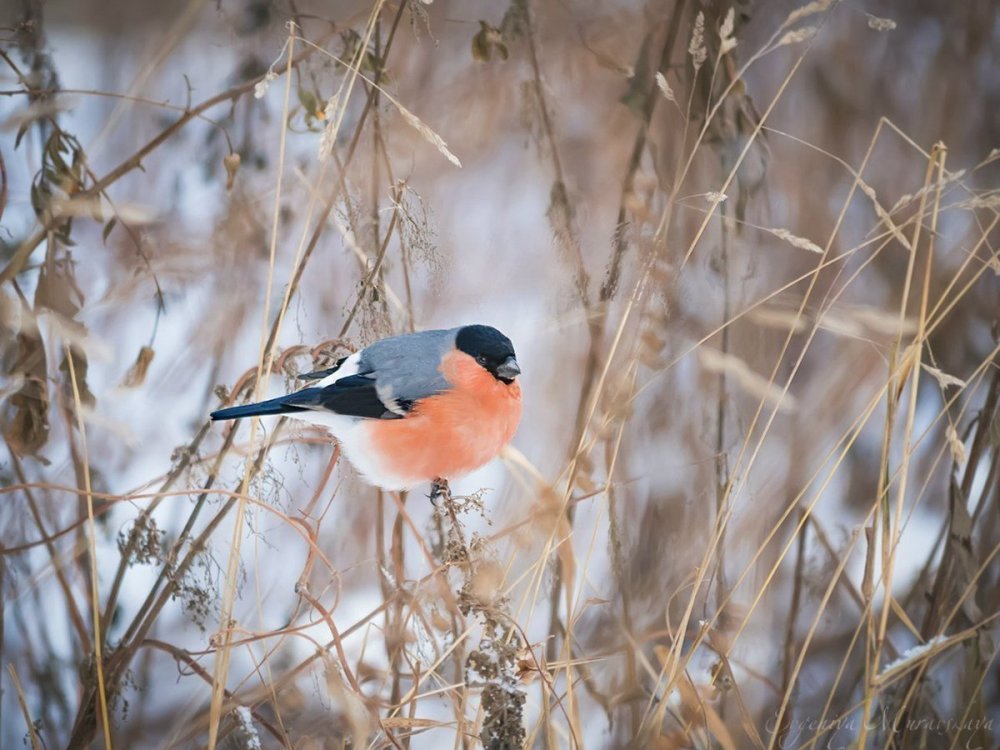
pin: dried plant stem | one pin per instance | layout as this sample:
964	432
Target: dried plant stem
674	665
988	415
267	349
781	733
831	587
563	210
561	214
892	525
342	657
57	563
305	253
171	574
652	98
146	514
24	251
183	657
266	355
23	702
395	614
722	398
54	124
373	274
92	537
618	561
738	469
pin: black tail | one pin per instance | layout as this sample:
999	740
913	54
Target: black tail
281	405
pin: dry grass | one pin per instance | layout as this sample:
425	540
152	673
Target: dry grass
748	256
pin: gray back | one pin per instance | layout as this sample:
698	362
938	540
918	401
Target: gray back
407	367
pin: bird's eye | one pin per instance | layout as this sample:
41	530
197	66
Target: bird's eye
481	359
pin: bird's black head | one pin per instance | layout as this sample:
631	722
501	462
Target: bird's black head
491	349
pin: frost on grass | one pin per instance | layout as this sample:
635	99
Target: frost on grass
261	87
494	664
880	24
911	655
246	733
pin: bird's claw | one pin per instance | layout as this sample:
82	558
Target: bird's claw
439	488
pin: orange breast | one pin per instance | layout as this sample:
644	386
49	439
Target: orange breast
453	433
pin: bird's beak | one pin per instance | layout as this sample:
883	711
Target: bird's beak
509	369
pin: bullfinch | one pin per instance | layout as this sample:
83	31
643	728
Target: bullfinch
421	407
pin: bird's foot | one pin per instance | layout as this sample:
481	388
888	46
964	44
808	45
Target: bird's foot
439	488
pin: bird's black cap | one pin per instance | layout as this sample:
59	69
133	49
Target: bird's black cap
491	349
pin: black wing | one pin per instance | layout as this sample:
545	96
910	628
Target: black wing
320	374
353	396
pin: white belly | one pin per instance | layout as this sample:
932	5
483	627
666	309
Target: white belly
353	436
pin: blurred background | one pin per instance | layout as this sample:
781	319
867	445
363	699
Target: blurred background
747	255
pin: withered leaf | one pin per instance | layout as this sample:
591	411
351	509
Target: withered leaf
27	431
136	374
108	228
26	424
638	86
3	186
232	164
965	560
57	290
488	40
80	371
310	103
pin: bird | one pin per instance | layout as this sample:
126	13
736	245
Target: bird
429	406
